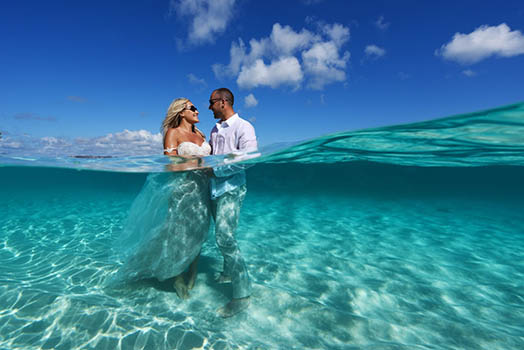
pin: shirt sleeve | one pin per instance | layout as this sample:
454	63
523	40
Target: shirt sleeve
247	140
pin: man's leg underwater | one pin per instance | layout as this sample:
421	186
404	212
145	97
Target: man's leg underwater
226	210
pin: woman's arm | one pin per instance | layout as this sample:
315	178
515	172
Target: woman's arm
171	143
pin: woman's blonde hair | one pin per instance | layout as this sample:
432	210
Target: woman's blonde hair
172	119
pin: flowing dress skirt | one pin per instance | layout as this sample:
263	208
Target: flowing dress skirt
167	225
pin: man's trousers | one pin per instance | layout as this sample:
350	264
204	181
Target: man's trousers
226	211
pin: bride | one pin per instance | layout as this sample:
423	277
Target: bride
169	219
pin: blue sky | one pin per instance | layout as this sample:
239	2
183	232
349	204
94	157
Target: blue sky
105	71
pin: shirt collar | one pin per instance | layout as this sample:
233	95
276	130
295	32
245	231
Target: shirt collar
229	122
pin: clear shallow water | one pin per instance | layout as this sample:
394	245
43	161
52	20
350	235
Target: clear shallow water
417	246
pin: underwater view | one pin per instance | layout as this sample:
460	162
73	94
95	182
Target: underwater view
400	237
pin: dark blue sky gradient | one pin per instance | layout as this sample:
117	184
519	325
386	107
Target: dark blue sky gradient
86	69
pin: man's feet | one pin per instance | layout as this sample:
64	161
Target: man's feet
221	278
180	287
233	307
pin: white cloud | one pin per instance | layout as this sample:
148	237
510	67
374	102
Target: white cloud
250	101
237	52
380	24
469	73
289	57
286	41
310	19
337	32
324	64
208	17
482	43
142	136
373	51
124	143
193	79
284	71
8	144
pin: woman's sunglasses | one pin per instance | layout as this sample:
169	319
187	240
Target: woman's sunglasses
192	109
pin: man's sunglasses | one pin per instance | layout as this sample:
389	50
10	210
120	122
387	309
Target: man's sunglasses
213	100
192	109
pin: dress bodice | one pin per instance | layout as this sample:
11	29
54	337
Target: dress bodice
192	149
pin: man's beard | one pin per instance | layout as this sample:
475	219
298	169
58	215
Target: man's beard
217	115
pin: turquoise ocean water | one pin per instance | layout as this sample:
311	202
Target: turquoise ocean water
403	237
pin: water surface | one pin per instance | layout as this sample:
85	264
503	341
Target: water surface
405	237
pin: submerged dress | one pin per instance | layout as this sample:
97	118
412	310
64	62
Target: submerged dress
168	222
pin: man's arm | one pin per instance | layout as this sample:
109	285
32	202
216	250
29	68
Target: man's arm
248	140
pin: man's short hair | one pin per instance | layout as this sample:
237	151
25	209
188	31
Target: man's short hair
226	94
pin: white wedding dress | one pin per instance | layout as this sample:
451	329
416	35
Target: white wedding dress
168	222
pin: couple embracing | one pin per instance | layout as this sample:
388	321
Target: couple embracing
170	218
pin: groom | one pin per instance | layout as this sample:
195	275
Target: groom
228	189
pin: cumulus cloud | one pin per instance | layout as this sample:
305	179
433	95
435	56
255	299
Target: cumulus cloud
482	43
285	70
123	143
209	18
289	57
286	41
7	142
373	51
237	52
380	24
324	64
250	101
139	142
337	33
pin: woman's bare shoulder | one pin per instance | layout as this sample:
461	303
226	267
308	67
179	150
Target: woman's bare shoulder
172	131
172	137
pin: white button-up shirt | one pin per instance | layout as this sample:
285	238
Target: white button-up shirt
232	135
